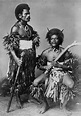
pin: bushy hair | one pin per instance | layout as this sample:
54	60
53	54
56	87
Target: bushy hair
19	9
57	32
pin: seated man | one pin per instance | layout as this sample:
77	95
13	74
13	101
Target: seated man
54	71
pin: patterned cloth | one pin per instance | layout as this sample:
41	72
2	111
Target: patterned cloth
52	86
55	89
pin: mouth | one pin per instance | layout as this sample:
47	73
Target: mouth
53	44
28	18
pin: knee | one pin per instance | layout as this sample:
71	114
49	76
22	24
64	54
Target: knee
68	81
35	82
71	84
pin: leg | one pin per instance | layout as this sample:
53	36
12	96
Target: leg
68	81
39	79
45	106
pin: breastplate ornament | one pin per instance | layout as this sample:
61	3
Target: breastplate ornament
28	31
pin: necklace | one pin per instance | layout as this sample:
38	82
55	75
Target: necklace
28	31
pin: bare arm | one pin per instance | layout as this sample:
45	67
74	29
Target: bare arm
17	60
14	31
42	62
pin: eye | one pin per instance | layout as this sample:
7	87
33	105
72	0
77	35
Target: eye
27	13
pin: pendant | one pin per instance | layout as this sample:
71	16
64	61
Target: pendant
28	31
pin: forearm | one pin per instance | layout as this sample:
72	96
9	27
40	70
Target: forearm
64	67
42	67
61	65
14	55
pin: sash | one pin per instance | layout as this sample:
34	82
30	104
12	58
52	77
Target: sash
24	44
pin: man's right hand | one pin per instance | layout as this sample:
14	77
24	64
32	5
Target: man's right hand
48	67
18	61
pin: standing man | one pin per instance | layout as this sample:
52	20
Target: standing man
22	40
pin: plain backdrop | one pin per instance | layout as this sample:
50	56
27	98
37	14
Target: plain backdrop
62	14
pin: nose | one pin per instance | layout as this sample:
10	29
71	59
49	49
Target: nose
53	40
28	15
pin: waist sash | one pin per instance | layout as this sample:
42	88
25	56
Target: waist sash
24	44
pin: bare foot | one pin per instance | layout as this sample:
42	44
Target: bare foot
66	112
19	106
34	100
44	109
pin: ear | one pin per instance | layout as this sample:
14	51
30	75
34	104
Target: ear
20	16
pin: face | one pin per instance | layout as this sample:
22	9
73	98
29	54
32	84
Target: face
25	16
54	40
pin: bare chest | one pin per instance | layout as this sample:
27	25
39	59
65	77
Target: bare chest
24	31
51	55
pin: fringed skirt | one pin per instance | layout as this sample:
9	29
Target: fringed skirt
27	71
55	89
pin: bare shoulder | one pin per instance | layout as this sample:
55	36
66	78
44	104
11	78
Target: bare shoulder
61	47
15	28
45	52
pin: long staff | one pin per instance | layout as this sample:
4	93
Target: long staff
13	87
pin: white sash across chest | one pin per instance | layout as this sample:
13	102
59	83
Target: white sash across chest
24	44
